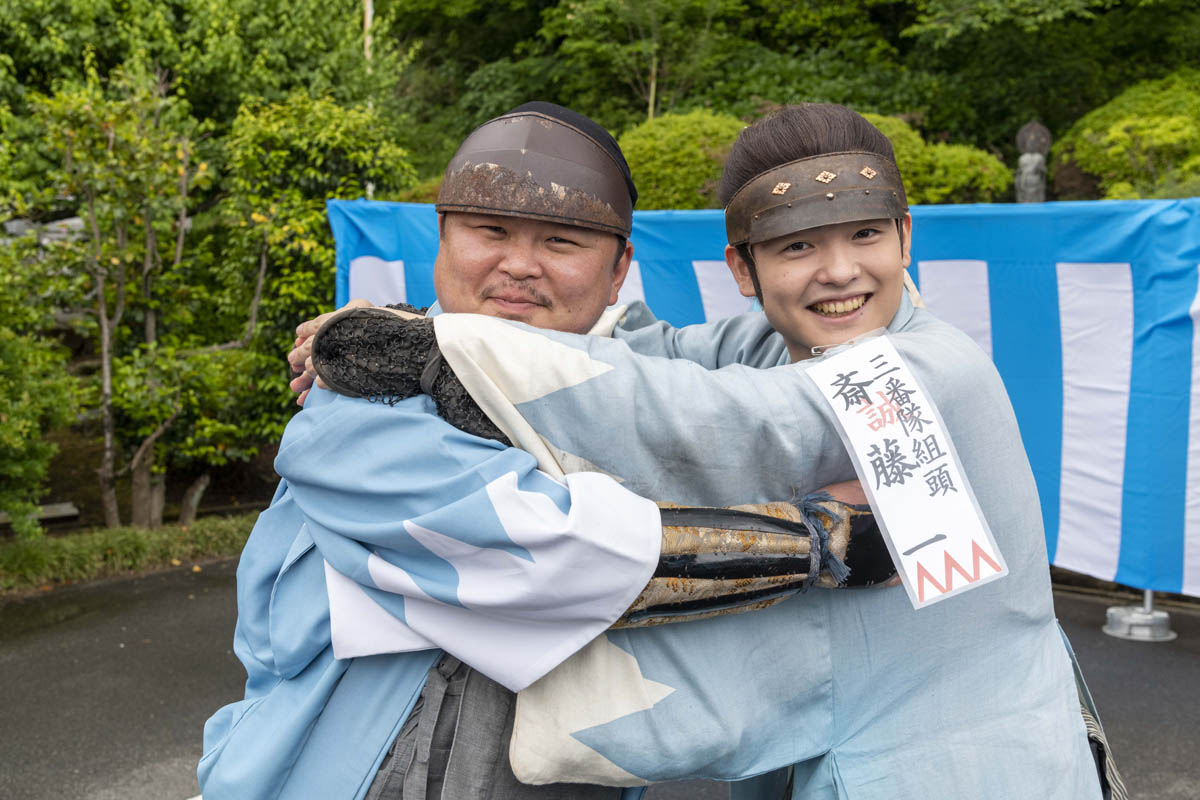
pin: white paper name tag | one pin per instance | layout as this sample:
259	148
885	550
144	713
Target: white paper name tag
922	500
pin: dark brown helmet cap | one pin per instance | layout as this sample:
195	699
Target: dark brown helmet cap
820	190
530	163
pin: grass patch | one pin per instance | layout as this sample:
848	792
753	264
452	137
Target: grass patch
26	565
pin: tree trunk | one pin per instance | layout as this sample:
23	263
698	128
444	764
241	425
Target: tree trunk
158	498
140	491
148	493
108	500
107	470
653	84
191	499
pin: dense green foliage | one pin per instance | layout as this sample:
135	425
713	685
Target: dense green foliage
1143	143
37	396
284	161
943	173
676	159
37	392
969	74
28	564
199	139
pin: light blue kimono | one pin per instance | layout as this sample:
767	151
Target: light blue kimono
850	678
973	697
363	479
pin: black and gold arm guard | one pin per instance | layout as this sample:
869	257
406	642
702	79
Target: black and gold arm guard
713	560
718	561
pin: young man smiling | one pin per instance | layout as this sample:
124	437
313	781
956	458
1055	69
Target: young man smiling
830	283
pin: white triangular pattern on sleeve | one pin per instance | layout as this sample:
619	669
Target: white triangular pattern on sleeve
361	627
516	618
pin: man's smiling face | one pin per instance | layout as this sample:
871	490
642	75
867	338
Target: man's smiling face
541	273
826	285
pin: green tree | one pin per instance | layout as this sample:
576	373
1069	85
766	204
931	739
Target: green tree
204	405
285	160
216	51
992	81
942	20
676	159
38	393
466	61
661	49
127	160
174	293
756	79
213	391
1143	143
216	54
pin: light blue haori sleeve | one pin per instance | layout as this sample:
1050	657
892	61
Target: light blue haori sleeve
746	339
309	725
432	537
869	698
420	538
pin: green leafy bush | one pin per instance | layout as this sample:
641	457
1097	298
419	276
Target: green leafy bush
1143	143
677	159
940	172
37	396
26	564
284	160
424	192
37	393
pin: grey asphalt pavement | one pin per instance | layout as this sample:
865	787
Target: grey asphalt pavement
104	690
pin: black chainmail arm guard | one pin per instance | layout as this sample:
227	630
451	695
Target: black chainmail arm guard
410	309
373	353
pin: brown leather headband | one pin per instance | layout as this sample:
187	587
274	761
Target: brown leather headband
810	192
532	165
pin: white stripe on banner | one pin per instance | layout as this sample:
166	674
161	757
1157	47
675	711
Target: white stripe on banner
1095	303
631	289
956	291
719	291
379	281
1191	524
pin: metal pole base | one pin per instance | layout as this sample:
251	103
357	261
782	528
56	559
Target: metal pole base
1138	624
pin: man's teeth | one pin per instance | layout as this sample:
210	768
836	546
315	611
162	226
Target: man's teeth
840	306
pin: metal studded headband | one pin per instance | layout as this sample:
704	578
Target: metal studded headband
529	164
815	191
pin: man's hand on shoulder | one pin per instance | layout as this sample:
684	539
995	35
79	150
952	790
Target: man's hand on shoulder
300	358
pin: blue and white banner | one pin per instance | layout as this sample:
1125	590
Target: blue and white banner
1089	311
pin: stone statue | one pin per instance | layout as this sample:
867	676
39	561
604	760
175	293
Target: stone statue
1033	140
